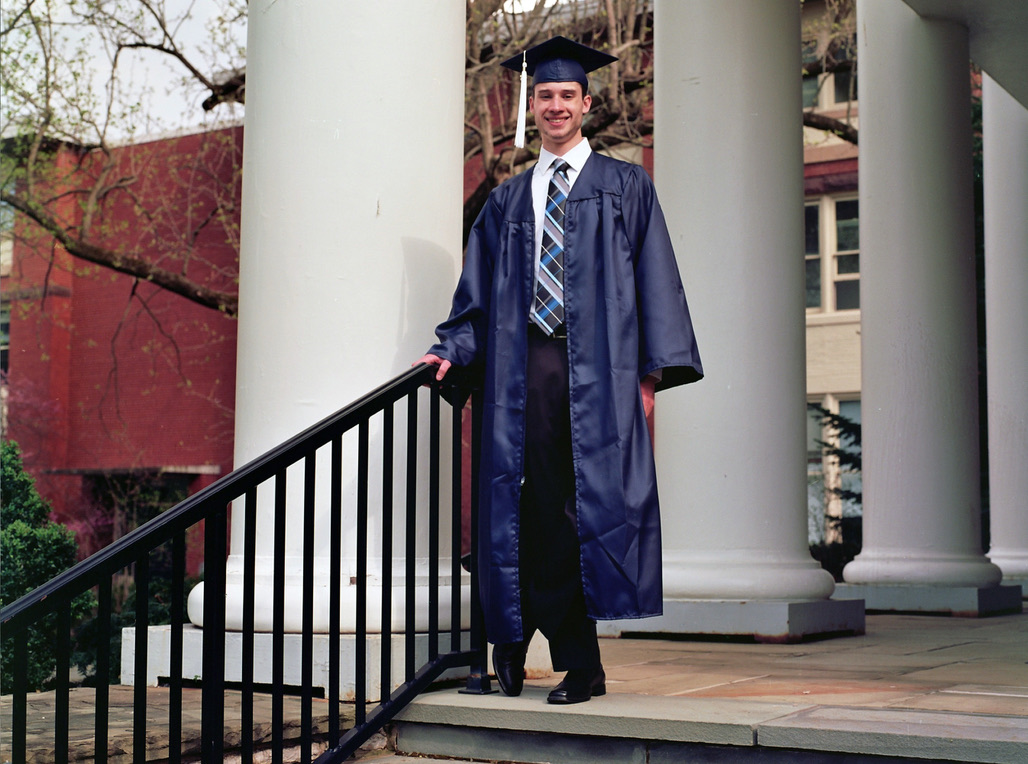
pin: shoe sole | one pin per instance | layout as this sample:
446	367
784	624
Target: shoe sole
565	701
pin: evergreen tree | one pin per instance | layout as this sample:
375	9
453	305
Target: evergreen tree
33	549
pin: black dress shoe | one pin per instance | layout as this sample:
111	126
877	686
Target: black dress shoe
578	686
509	665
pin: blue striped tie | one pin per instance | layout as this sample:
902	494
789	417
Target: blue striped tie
548	307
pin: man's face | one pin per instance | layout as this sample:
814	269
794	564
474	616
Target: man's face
558	108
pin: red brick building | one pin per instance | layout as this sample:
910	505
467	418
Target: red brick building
121	393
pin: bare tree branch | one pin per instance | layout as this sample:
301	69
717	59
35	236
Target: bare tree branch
837	127
130	265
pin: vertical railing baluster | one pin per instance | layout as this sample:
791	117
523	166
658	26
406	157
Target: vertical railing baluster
212	721
249	609
457	529
19	711
178	602
278	628
334	587
433	524
478	672
411	535
142	578
62	688
360	690
386	633
307	637
101	704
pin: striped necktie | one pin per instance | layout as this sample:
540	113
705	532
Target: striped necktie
548	307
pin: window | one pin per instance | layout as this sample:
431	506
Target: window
832	254
5	334
812	214
846	273
844	86
829	91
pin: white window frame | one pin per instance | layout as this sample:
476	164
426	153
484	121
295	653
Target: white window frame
829	254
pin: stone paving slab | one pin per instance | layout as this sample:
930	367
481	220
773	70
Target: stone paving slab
915	734
722	722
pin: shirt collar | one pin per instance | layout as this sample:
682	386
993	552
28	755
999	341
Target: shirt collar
576	157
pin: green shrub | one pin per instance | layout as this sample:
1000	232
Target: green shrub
33	549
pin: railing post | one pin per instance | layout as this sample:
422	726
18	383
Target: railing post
178	583
249	611
142	648
101	705
212	722
478	673
62	689
334	587
307	638
19	717
278	626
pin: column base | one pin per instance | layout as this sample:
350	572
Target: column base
766	621
1014	565
159	658
966	601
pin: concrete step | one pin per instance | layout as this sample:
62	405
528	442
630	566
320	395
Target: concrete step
625	729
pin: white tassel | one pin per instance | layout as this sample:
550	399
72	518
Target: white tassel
519	135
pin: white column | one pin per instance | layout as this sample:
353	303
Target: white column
919	349
1005	139
351	231
731	449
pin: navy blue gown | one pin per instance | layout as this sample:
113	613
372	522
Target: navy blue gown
626	316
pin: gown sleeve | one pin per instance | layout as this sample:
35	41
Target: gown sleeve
666	338
462	336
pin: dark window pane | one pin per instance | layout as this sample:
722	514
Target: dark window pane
814	437
847	295
5	334
847	264
813	229
813	283
810	88
847	227
845	86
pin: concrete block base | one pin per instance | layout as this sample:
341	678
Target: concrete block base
967	601
159	658
771	621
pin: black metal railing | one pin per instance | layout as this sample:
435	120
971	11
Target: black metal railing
266	477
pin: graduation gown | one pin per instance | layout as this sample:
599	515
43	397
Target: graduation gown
626	316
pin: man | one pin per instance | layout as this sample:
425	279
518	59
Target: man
571	306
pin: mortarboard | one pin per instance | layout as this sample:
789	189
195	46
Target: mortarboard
556	60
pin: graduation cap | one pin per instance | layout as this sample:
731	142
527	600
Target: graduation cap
556	60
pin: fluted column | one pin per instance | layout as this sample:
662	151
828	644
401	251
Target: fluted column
351	231
1005	141
728	164
921	491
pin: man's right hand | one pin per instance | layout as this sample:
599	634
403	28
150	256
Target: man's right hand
442	364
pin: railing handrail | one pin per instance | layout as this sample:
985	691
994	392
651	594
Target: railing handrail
85	574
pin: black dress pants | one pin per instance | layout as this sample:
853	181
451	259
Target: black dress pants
551	582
